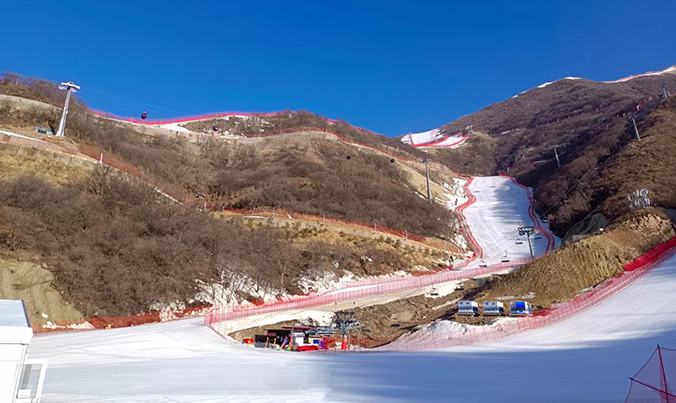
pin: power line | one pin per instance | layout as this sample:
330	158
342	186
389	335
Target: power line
124	96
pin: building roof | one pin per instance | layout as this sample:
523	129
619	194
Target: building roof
14	324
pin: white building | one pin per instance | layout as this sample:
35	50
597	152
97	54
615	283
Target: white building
20	380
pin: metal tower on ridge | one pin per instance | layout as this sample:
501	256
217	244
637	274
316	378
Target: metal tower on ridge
70	87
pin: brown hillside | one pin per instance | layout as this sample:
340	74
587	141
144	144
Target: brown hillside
585	120
562	275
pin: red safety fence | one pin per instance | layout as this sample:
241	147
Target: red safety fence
222	314
455	335
379	285
124	321
440	143
214	115
656	380
654	255
466	231
473	334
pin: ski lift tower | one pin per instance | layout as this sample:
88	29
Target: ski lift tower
528	231
344	322
70	87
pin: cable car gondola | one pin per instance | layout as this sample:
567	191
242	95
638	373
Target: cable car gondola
349	157
392	160
215	128
144	115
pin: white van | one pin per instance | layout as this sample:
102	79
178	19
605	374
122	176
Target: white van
493	308
468	308
520	308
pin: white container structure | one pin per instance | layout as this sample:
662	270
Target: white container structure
520	308
468	308
493	308
21	380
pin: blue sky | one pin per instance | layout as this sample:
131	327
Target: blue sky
390	66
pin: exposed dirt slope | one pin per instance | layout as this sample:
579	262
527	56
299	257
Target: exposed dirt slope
33	284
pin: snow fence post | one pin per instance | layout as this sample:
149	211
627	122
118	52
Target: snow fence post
664	377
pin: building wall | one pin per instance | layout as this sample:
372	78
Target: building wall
11	361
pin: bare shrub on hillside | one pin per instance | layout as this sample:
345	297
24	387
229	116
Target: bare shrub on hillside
367	188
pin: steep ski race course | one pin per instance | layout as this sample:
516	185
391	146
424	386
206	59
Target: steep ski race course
501	207
492	217
578	351
433	139
186	362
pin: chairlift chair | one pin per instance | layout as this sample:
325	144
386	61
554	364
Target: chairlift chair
483	263
505	258
434	292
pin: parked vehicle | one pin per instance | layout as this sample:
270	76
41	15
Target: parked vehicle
520	308
468	308
493	308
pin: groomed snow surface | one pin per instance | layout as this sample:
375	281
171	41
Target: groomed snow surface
433	138
429	136
501	206
586	358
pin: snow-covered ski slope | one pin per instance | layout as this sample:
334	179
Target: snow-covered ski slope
502	206
496	232
586	358
433	138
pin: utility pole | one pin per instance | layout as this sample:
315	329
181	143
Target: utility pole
638	137
427	176
70	87
558	162
528	231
